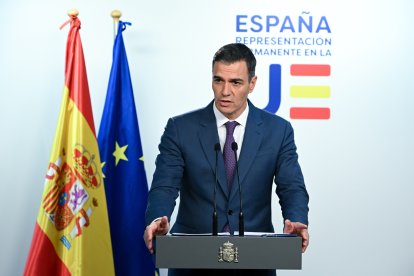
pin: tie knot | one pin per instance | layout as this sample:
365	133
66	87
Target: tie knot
230	126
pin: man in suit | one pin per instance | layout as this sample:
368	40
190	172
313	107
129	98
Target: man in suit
186	164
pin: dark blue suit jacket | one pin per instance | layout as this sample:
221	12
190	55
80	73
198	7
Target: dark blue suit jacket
186	166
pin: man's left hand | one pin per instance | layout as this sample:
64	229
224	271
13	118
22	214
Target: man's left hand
299	229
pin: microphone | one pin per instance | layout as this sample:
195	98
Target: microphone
241	217
215	223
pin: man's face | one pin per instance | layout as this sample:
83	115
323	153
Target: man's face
231	87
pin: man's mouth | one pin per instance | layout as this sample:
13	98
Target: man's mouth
225	101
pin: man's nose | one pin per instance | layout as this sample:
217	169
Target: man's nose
226	91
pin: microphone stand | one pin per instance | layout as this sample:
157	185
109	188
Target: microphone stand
241	216
215	223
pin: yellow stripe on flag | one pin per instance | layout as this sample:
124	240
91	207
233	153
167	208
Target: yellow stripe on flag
79	227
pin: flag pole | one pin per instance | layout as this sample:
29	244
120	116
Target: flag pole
116	14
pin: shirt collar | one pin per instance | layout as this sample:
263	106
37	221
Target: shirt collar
221	119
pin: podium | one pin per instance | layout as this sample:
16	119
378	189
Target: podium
228	252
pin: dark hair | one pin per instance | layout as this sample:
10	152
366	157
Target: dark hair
233	52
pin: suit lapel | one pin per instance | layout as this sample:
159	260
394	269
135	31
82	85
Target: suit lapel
253	136
208	136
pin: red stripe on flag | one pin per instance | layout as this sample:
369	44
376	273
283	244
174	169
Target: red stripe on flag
318	113
76	79
42	259
316	70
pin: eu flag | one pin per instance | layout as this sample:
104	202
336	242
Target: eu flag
125	181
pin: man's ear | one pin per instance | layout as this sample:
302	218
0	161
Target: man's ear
252	84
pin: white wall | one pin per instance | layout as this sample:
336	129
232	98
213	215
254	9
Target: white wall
357	165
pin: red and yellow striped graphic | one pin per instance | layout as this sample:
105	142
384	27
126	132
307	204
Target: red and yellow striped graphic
310	91
71	235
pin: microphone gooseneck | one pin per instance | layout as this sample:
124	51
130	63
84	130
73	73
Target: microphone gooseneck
215	223
234	147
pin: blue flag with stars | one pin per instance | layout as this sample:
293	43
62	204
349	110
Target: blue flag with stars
125	181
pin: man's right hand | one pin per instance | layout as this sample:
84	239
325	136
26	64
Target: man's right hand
157	227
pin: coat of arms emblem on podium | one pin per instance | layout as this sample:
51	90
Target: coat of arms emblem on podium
228	253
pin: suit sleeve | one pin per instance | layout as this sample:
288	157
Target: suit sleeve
290	186
167	176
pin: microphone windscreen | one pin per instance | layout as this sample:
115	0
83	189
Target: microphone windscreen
234	146
217	147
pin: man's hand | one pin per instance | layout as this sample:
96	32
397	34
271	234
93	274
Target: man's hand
297	228
157	227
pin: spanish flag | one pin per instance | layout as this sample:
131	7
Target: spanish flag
71	235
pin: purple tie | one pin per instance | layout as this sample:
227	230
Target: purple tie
229	158
228	153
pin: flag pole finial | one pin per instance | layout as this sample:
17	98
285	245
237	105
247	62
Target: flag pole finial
73	12
116	14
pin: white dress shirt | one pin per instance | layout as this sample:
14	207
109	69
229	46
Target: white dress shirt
238	131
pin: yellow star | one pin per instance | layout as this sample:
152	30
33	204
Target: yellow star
141	158
119	153
102	165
